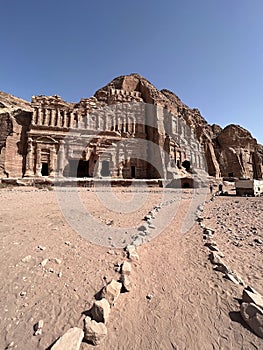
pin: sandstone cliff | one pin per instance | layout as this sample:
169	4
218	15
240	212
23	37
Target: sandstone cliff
230	152
15	118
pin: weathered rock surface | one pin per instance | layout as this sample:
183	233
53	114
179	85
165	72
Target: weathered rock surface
126	283
250	297
101	310
229	152
253	316
71	340
94	332
111	291
126	268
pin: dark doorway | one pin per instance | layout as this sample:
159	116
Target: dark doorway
186	164
44	169
78	168
133	174
83	168
105	169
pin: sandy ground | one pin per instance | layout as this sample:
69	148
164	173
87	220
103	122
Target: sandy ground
192	306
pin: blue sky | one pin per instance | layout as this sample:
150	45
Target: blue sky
209	52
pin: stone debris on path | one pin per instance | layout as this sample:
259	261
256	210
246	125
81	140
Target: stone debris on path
100	311
71	340
111	291
39	327
94	332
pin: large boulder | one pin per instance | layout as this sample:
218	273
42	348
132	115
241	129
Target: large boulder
71	340
253	316
94	332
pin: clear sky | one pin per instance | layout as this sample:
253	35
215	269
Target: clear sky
209	52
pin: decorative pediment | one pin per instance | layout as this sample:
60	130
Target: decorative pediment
46	139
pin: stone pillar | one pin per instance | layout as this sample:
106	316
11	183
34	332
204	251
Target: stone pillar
30	159
65	121
71	120
40	116
53	118
52	165
38	160
61	158
59	118
34	118
47	117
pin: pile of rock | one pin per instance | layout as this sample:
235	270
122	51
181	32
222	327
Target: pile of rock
252	310
95	329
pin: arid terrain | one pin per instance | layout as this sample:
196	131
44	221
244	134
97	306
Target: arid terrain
190	306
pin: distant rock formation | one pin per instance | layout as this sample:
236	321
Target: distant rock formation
230	152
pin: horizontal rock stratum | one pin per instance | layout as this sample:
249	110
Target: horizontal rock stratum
32	136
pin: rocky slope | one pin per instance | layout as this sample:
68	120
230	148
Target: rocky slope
230	152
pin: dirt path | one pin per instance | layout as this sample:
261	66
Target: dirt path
192	306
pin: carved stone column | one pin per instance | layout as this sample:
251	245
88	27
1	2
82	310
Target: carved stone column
38	160
53	117
52	165
47	117
71	120
40	116
30	159
61	158
34	118
65	121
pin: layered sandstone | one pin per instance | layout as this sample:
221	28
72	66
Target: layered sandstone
15	118
229	152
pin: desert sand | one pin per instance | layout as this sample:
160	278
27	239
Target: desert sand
191	306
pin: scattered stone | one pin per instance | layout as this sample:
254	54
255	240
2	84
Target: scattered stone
208	231
215	258
126	283
126	268
231	278
143	228
132	253
222	267
111	252
26	258
94	332
71	340
39	327
10	345
40	247
68	243
258	241
111	291
22	294
60	274
101	310
138	241
57	261
250	297
253	315
147	217
44	262
149	296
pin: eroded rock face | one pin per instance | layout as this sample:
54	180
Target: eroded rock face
238	153
15	118
229	152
